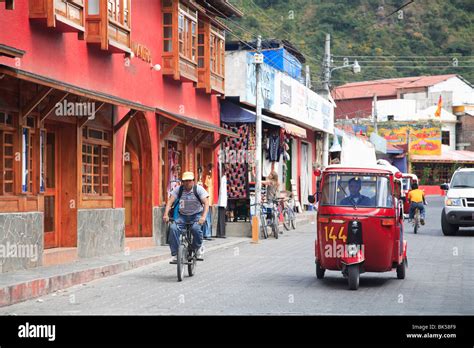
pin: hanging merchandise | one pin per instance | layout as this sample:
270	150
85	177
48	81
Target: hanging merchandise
174	169
274	150
252	146
236	169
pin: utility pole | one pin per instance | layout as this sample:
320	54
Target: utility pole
327	65
258	60
308	77
326	81
374	114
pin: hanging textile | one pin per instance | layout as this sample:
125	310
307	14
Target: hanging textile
235	168
252	146
274	148
173	169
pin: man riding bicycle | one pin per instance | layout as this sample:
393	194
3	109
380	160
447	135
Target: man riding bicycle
416	197
193	206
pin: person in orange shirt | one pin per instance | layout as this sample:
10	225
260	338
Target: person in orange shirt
416	197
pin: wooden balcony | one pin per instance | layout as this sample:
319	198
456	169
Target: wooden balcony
181	69
64	15
211	82
111	35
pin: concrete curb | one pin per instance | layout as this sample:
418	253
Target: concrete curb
27	290
30	289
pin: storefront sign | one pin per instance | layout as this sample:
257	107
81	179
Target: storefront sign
267	83
141	52
306	106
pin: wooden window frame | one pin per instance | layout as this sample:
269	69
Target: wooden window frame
12	130
180	53
31	160
211	57
111	26
122	18
189	40
217	41
101	144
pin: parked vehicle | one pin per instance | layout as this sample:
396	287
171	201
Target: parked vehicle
459	202
360	222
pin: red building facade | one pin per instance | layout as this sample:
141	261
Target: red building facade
102	102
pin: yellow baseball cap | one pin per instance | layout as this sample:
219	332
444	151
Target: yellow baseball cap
188	176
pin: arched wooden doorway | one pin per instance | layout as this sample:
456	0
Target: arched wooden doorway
137	177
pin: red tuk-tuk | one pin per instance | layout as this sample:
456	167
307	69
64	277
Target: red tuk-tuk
407	181
360	222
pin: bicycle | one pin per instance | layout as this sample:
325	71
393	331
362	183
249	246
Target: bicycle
265	221
289	216
186	254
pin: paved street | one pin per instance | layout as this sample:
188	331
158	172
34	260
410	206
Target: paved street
278	277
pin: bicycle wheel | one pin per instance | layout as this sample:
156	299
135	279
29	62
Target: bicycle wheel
286	219
274	224
181	261
191	263
263	226
417	221
293	219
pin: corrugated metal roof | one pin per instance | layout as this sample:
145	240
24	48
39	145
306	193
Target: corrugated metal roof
387	87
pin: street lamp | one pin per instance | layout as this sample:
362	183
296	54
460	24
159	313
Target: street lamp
355	69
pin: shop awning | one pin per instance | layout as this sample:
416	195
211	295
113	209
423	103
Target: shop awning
107	98
195	123
295	130
447	156
69	88
233	113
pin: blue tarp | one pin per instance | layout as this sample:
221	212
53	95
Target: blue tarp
282	60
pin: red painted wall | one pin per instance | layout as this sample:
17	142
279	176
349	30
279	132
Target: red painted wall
432	190
355	108
63	57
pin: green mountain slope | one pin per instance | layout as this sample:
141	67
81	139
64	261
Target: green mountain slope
427	37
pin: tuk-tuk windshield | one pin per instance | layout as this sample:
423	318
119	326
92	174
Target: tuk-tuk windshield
357	190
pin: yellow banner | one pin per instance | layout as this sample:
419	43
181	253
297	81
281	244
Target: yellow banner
425	139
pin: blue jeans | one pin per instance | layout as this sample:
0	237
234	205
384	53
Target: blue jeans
420	206
207	227
179	226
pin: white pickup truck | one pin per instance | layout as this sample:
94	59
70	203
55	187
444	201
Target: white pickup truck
459	202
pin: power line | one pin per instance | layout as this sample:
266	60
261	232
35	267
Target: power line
252	34
418	67
410	56
289	35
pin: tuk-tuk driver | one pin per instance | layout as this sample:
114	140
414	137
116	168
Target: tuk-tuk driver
355	185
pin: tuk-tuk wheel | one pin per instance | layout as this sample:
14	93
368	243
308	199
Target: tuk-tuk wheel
401	270
353	272
319	271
